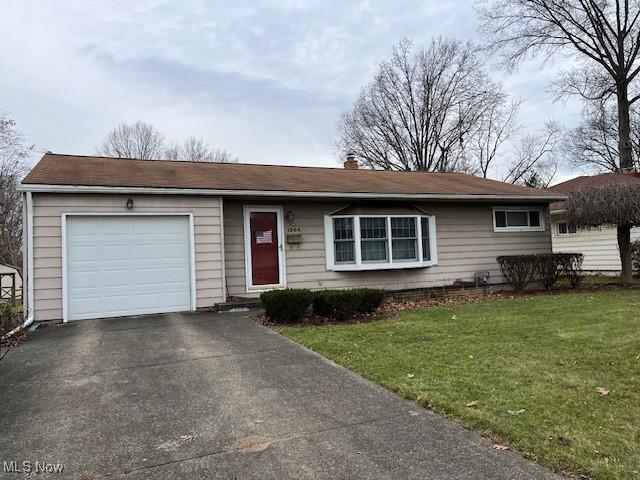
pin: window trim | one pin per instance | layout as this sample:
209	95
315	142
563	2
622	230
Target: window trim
569	233
540	211
389	264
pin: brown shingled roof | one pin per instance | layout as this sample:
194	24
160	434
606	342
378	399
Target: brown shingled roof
54	169
587	181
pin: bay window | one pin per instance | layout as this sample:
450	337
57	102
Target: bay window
373	242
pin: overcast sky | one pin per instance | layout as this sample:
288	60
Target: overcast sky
264	79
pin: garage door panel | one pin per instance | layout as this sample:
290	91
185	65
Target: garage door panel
127	265
84	253
115	277
84	279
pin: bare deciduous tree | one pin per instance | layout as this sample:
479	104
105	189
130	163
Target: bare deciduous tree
197	150
594	142
138	140
497	127
602	36
535	157
143	141
13	152
421	110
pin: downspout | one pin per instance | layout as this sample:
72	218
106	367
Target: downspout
27	264
222	252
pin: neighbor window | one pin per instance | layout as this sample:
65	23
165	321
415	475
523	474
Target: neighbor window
371	242
565	228
517	219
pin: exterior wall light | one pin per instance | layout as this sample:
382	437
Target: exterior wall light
291	218
129	203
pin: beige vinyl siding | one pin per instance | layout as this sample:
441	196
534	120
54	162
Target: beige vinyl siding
598	245
466	244
47	240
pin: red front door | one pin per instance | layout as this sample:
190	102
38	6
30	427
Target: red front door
265	269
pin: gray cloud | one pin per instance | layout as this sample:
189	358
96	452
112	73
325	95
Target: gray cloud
266	79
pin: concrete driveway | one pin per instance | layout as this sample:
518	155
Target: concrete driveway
218	396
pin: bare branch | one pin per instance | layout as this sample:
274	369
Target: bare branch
535	158
13	151
197	150
138	140
601	35
143	141
614	204
423	110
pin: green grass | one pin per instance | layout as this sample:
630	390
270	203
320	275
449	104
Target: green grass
593	281
545	355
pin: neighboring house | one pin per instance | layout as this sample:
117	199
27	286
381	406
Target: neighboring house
9	279
599	244
112	237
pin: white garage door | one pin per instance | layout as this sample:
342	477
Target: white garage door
127	265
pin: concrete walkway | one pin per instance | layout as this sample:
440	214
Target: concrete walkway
189	396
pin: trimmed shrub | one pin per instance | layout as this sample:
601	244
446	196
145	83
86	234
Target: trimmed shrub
342	304
286	306
370	299
635	255
571	266
338	304
548	269
517	270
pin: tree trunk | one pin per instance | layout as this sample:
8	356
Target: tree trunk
624	245
624	129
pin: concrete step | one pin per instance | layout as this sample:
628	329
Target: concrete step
240	303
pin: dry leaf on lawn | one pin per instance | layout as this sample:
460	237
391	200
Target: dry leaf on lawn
410	375
472	403
516	412
602	391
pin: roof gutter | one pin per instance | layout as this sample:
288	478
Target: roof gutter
279	193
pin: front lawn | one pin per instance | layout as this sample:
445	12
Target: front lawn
525	372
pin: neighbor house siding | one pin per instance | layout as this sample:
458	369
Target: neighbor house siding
6	281
466	244
598	245
47	241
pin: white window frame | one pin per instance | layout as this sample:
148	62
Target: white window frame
389	264
540	211
568	234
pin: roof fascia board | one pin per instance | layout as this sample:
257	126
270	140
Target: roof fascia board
44	188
